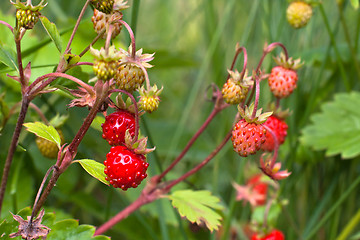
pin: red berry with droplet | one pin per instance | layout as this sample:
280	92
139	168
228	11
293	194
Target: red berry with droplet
247	137
279	128
273	235
124	168
115	126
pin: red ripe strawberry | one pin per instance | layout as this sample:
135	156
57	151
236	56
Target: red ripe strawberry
249	134
283	78
279	127
247	137
273	235
282	81
258	187
124	168
115	126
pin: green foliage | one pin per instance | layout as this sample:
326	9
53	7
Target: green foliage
64	229
8	57
44	131
355	3
259	213
197	207
52	31
94	168
337	128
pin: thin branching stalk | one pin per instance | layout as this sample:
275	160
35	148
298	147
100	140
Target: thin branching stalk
77	25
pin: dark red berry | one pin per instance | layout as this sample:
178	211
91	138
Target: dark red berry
124	168
273	235
115	126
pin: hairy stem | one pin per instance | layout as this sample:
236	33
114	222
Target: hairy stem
71	150
24	107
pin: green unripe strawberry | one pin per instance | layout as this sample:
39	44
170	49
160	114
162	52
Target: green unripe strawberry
104	70
298	14
106	62
129	77
149	99
47	148
27	18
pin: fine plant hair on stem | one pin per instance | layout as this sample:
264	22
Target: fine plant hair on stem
136	111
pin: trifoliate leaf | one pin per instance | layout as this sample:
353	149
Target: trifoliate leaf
52	32
337	128
197	206
94	168
44	131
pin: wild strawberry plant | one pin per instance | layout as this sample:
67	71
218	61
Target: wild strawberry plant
115	92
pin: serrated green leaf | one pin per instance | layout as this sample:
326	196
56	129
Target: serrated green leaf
71	230
355	3
7	57
44	131
94	168
52	32
337	128
197	206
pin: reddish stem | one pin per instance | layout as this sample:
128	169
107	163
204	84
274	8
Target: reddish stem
39	112
52	76
202	164
257	96
19	60
238	51
71	150
276	147
7	25
132	37
77	25
92	43
214	112
24	107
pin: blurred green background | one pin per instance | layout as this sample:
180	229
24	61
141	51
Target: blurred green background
194	43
